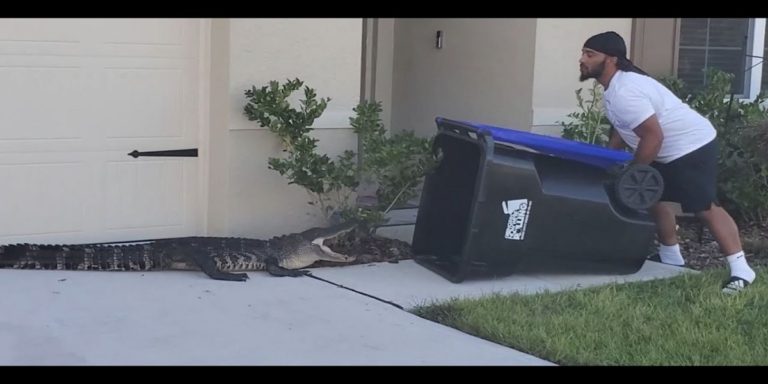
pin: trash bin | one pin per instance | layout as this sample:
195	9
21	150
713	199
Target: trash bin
500	199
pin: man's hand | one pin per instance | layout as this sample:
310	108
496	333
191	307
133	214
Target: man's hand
615	141
651	137
617	169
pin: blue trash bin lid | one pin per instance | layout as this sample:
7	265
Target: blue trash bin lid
555	146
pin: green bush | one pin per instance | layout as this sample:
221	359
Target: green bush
742	130
395	164
589	124
330	183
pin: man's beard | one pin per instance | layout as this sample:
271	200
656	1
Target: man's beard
595	73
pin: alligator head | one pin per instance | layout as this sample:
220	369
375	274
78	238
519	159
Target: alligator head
300	250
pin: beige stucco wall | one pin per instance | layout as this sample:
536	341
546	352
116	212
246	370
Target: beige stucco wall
216	148
385	48
484	72
246	198
556	68
519	73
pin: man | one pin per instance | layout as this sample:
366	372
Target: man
667	134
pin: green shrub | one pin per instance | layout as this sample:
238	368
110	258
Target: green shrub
329	182
395	164
742	130
589	124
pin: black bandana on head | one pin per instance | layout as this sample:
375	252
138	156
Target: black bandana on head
611	44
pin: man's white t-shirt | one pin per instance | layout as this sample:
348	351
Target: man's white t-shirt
631	98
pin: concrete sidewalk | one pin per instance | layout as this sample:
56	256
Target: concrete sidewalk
409	284
185	318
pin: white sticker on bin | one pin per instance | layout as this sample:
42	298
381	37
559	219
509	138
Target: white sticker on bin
518	211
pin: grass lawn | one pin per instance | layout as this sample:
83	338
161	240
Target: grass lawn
684	320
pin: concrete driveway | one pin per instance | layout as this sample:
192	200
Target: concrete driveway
185	318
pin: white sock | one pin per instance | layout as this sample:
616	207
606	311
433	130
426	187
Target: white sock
739	266
670	254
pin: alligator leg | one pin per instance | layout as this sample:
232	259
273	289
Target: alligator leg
275	269
205	262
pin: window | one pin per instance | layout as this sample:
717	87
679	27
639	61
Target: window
733	45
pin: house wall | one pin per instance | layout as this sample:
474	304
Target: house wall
518	73
384	59
556	66
245	197
484	72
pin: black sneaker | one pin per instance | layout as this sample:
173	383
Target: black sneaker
655	257
734	285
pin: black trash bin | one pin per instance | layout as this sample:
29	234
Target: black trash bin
500	199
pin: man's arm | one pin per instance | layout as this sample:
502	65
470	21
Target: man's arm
649	132
615	141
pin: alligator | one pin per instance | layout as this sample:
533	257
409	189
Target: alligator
218	257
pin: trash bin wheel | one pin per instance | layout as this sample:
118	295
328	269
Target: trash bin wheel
639	186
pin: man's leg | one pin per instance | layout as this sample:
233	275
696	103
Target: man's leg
666	230
723	228
665	223
726	233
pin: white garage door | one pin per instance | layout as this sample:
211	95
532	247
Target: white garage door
75	97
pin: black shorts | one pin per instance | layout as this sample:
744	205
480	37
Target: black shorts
691	180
